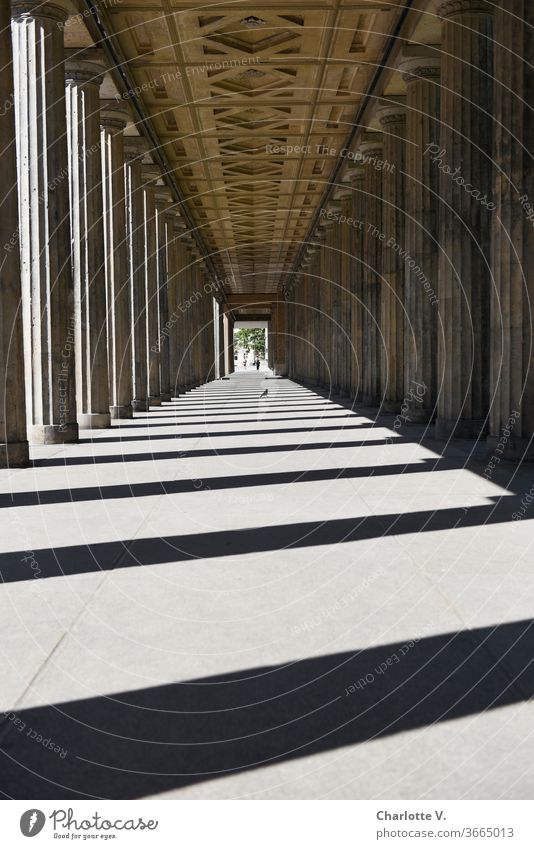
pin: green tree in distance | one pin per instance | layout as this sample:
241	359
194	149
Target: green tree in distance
251	339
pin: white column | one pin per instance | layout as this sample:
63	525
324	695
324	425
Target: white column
45	239
150	174
163	198
84	73
134	150
113	119
13	442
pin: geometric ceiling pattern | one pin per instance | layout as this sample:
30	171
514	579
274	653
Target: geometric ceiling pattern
251	106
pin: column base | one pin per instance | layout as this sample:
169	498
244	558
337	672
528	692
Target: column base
94	421
460	428
53	434
389	406
140	406
123	411
14	454
154	401
417	415
165	396
511	449
369	400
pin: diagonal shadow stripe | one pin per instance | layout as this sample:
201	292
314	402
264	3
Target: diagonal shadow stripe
175	487
79	559
266	431
137	743
213	452
176	421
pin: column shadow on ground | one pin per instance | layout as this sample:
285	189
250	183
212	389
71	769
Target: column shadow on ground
150	551
138	743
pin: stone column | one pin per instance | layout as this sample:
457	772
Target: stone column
333	266
163	198
344	196
289	296
150	174
421	74
84	73
228	342
175	293
312	325
45	239
182	263
512	365
392	118
188	289
196	319
296	300
113	119
320	281
210	355
303	312
13	442
172	291
219	317
373	238
134	150
464	159
357	268
279	328
346	298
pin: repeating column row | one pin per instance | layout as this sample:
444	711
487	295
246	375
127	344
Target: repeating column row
89	255
435	242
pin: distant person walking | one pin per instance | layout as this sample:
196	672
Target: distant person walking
257	365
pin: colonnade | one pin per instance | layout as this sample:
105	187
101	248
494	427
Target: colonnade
105	308
420	269
413	294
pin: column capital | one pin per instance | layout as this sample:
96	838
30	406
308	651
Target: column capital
150	174
420	62
370	145
57	11
391	110
356	174
179	224
342	191
135	147
114	115
452	8
163	196
332	208
85	66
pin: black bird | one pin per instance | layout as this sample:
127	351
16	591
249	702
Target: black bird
265	391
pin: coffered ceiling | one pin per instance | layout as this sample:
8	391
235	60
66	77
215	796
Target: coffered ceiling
251	106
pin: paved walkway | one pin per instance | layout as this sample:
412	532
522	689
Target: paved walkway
266	597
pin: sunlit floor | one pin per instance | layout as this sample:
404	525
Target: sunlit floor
272	596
